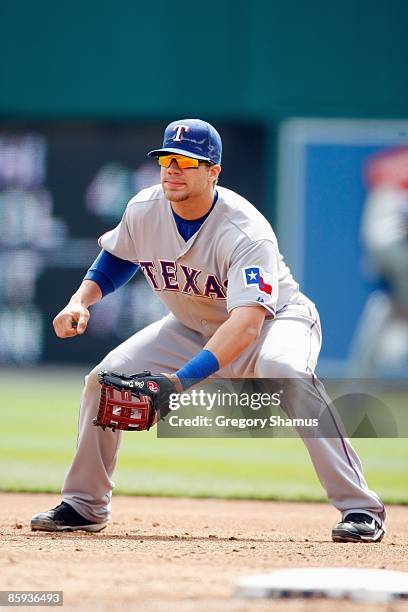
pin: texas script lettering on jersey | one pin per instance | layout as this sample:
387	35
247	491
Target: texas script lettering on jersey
178	277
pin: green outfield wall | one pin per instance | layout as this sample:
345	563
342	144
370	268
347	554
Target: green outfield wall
261	59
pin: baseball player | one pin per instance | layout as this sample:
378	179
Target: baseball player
235	312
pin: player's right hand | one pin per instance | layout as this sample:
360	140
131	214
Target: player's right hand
71	321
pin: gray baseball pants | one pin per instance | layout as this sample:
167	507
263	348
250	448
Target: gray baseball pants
288	347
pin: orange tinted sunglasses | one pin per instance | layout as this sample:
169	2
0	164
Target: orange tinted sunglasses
182	161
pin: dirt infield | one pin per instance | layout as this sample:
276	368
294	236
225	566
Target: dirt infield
180	554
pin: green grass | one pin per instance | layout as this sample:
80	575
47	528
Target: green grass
38	435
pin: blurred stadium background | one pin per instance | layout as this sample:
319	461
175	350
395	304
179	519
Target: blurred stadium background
303	95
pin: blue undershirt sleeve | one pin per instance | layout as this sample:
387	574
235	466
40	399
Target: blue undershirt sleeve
110	272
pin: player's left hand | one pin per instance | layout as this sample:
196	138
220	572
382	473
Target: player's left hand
158	387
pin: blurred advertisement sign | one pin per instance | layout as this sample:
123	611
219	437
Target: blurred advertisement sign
324	188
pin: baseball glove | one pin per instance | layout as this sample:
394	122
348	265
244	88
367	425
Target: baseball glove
133	403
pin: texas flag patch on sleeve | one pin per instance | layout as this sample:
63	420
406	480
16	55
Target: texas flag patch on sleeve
254	275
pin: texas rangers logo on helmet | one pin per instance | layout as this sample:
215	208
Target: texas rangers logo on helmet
179	131
152	386
254	275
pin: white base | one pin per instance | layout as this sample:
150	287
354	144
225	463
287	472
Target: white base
376	585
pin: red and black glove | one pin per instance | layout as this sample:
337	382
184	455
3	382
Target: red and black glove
120	411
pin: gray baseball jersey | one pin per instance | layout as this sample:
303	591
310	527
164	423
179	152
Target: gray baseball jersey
233	260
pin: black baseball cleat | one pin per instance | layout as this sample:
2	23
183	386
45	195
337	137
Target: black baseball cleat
63	518
358	527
